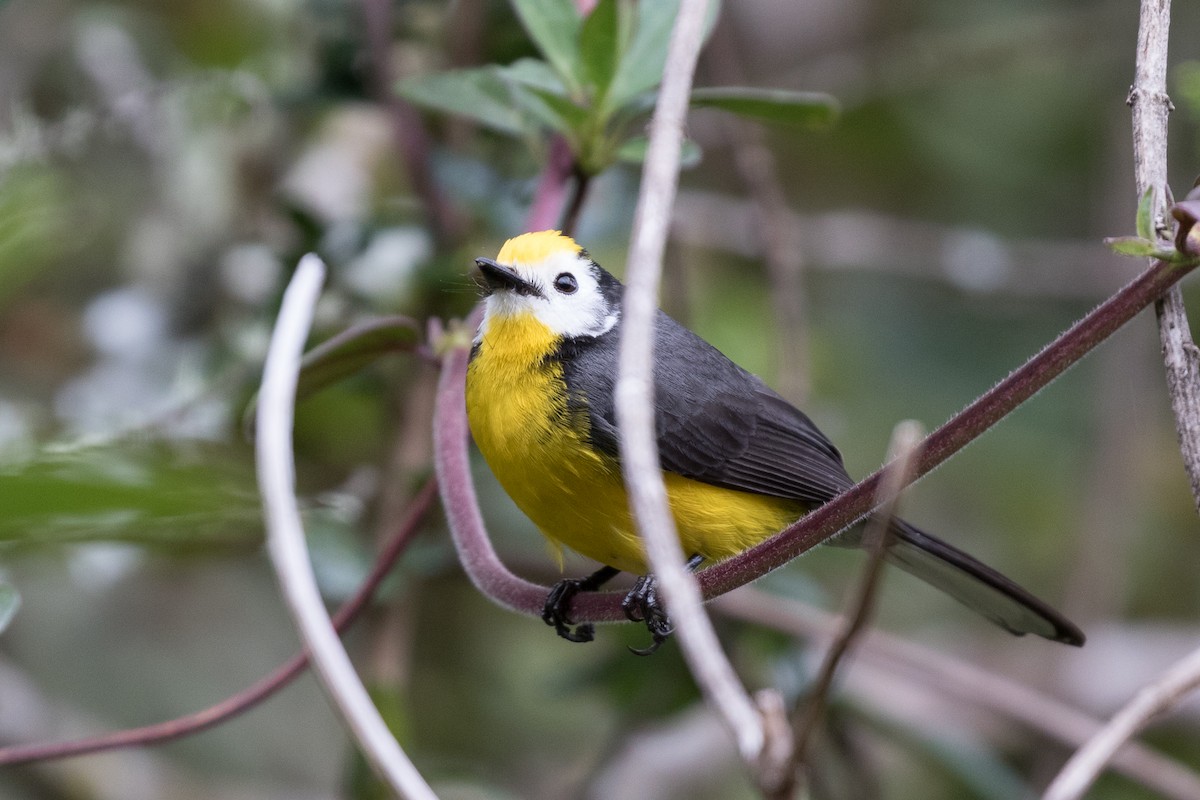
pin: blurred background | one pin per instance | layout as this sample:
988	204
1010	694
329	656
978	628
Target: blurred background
163	166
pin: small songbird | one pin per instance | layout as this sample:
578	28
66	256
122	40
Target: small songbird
740	463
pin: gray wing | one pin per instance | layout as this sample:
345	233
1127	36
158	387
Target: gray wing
716	422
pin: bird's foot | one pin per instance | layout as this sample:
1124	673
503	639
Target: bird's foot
556	612
641	604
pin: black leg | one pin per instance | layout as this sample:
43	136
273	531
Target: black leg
642	605
556	612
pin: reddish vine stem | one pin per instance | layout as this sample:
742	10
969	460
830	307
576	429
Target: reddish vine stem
509	590
170	730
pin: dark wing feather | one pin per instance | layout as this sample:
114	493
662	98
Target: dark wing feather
716	422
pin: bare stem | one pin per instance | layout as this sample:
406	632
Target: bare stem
289	552
1164	694
180	727
411	138
902	456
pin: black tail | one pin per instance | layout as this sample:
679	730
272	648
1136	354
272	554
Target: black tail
972	583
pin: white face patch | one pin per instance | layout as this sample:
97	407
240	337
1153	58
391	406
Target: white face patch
571	302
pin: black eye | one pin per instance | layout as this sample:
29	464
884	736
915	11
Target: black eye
565	283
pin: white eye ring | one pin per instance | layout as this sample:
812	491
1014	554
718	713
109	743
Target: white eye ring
565	283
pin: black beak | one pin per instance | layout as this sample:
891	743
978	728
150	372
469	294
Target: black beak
500	277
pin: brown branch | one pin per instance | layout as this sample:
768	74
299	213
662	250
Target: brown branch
1151	106
170	730
408	129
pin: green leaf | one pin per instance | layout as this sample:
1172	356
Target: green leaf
176	495
533	73
554	27
353	349
538	93
780	106
641	66
10	602
600	48
481	94
1145	214
1133	246
633	151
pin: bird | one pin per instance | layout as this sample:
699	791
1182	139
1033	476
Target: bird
740	463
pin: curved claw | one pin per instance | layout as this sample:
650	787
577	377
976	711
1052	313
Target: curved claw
555	612
641	604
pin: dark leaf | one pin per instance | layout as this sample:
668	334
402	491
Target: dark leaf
779	106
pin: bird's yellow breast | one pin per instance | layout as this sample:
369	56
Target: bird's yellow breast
539	452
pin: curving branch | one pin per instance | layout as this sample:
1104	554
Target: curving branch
634	395
289	552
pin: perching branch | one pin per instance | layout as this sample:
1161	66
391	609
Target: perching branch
839	513
1150	107
1164	694
634	395
180	727
287	547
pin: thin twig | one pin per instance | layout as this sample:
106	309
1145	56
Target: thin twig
1164	694
782	252
903	452
180	727
289	552
408	129
1151	106
965	683
634	394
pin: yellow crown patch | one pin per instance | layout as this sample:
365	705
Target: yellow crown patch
531	248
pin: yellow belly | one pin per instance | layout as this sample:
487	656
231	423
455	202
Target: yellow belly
516	405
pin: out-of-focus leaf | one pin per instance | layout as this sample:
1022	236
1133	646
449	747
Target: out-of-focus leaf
1132	246
32	228
633	151
10	602
155	493
353	349
480	94
534	74
567	118
345	354
641	66
780	106
600	48
554	27
1145	214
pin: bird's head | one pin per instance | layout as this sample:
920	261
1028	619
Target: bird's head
548	277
